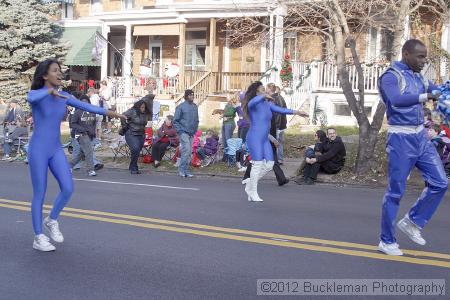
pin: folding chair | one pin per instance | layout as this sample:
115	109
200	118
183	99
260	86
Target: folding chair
148	142
120	148
170	152
18	146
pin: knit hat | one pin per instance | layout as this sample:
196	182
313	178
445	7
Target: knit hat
187	93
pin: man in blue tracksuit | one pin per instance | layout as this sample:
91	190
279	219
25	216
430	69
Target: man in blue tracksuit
404	90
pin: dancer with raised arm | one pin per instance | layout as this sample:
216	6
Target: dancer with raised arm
45	151
259	111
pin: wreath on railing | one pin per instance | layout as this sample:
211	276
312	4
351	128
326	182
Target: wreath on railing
286	69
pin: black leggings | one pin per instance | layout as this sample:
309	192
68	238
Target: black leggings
158	150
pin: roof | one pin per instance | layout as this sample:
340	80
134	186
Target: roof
82	41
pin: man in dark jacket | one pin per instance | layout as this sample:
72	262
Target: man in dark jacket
280	120
83	124
330	161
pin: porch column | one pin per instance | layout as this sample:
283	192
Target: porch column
182	53
278	48
127	61
213	64
104	63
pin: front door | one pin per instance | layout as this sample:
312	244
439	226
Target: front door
155	49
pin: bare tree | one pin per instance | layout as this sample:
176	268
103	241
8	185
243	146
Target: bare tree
343	21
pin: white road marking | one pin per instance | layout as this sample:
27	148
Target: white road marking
140	184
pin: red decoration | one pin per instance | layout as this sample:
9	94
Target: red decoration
286	69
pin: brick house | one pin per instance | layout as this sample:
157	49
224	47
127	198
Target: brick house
171	45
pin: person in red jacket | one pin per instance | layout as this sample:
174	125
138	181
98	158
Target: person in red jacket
167	136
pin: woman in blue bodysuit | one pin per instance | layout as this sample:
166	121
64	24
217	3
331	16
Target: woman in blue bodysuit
45	151
259	111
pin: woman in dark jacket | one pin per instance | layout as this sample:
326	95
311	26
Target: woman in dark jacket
167	136
137	118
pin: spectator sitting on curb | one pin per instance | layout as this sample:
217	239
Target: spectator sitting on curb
331	161
311	151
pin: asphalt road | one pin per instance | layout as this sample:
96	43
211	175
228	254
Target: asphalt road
160	236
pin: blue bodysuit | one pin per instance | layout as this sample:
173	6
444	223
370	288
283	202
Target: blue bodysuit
45	150
260	112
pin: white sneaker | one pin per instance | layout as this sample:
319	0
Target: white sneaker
52	228
6	157
42	243
245	181
92	173
411	230
242	169
390	249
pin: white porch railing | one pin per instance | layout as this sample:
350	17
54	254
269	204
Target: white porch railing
328	76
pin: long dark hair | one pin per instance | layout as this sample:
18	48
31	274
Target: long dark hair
249	95
148	99
137	108
321	135
41	71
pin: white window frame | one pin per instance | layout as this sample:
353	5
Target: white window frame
96	7
124	4
67	7
369	55
196	43
156	43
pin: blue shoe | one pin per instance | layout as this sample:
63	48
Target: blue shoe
189	175
182	174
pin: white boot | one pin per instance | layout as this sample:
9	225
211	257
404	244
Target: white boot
251	188
268	166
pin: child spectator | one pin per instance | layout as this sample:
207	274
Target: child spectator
209	148
242	160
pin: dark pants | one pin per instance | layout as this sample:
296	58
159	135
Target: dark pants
240	157
279	174
85	143
311	171
158	150
135	142
242	133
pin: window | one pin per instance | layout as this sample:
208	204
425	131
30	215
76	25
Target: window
96	6
118	63
195	49
196	35
127	4
372	41
290	45
387	43
67	11
195	57
342	110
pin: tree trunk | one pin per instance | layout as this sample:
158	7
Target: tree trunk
365	160
399	29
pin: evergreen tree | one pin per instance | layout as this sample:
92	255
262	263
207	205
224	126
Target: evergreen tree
27	37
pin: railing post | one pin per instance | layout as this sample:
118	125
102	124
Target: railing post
314	77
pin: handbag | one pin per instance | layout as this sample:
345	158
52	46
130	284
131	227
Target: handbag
124	129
